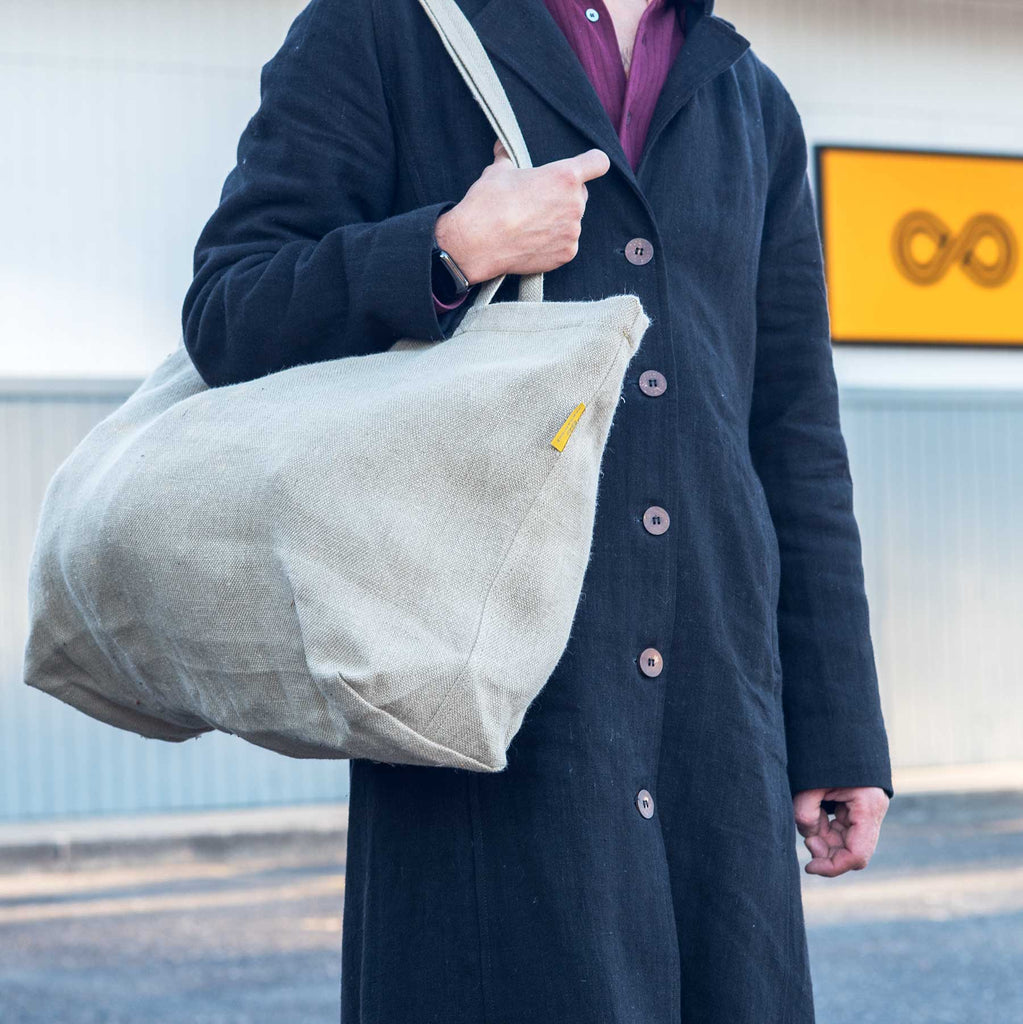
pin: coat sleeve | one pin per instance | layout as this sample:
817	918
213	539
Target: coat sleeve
305	258
835	733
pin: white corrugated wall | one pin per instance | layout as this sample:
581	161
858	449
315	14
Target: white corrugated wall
54	760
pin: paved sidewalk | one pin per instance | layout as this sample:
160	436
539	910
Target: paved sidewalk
930	933
83	842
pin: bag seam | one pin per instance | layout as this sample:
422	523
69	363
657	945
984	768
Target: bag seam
378	713
507	554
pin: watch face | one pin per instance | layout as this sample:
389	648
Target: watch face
460	281
442	281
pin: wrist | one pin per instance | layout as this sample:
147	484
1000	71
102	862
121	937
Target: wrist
452	236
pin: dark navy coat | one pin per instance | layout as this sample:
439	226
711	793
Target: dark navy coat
542	893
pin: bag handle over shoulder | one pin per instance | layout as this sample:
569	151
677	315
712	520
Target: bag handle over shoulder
470	57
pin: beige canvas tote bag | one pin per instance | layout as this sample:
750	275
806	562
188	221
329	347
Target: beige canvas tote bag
375	556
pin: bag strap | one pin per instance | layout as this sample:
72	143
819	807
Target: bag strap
470	57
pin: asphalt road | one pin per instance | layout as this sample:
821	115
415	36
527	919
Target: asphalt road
930	933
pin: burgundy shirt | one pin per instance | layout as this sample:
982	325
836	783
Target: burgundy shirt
628	99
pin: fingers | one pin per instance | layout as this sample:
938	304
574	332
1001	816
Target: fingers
806	808
860	840
500	153
869	800
827	848
848	841
838	863
828	838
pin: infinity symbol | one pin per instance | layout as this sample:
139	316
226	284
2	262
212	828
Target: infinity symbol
949	249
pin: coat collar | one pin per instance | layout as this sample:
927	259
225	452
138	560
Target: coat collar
525	38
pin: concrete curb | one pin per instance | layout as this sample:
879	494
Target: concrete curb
320	830
308	831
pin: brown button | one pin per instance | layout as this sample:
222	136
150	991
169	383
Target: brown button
645	803
651	662
653	382
656	519
639	251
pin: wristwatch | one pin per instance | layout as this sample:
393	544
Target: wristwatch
449	282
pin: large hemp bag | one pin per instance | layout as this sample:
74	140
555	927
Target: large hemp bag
375	556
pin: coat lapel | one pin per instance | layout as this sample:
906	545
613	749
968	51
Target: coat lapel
712	46
525	38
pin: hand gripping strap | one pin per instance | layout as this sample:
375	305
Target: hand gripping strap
466	50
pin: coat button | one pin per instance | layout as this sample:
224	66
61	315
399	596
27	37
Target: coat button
639	251
645	803
653	383
592	14
651	662
656	519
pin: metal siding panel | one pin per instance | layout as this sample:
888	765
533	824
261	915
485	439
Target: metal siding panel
937	478
936	482
55	761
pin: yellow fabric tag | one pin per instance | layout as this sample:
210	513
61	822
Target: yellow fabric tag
562	436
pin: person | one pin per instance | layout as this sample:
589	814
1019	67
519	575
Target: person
636	861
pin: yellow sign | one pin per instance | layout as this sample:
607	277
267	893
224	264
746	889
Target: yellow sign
921	246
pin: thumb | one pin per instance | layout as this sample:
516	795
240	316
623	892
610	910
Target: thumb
592	164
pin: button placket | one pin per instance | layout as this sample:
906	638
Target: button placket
640	251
